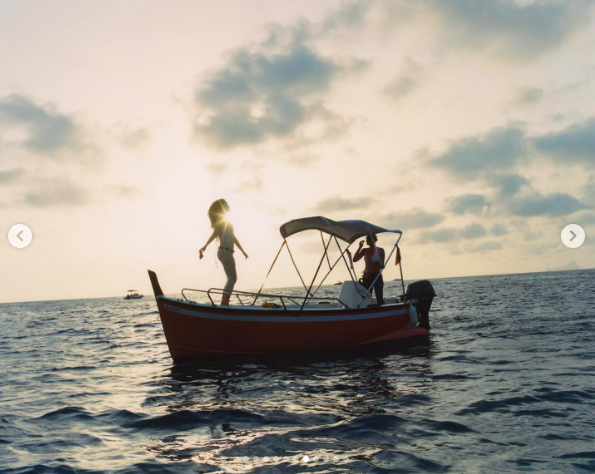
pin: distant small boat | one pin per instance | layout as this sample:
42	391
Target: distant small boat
339	283
133	295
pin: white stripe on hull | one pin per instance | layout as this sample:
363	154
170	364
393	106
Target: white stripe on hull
280	319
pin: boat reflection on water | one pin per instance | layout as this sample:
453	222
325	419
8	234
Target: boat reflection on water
228	410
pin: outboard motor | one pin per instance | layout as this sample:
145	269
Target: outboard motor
423	293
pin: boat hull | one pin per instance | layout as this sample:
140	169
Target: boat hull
195	331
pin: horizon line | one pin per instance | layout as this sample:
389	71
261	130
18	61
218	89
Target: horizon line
331	284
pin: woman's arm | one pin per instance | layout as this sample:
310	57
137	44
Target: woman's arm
237	242
211	238
360	252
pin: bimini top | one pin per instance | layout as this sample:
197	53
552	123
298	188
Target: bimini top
348	231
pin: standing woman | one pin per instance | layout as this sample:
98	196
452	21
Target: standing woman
223	231
374	259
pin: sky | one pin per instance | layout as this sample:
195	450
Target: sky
469	125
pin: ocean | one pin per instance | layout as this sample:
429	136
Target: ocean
505	383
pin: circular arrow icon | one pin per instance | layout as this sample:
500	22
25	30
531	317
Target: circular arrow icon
573	236
20	236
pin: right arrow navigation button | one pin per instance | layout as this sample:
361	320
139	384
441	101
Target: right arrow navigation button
573	236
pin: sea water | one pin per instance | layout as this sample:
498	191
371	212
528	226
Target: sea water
505	383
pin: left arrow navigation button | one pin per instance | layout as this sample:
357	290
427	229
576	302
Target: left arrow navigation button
20	236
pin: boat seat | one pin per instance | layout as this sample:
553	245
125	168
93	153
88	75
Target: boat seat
351	294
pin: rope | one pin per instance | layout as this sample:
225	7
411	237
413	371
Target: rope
269	272
296	268
315	275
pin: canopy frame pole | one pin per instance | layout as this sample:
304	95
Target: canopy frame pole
333	234
331	269
296	267
354	276
381	271
308	292
329	239
269	272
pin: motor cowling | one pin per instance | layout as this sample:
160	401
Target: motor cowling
421	293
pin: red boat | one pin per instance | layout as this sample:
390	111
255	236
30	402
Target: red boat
290	323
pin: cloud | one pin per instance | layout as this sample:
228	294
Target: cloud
506	28
255	184
138	138
305	159
527	96
473	157
445	235
484	247
56	194
10	176
575	143
499	230
473	231
440	236
507	184
416	218
553	205
124	191
337	204
468	204
404	83
217	168
586	219
48	131
266	93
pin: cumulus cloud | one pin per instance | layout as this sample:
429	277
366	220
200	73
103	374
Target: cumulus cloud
337	204
10	176
575	143
514	30
124	191
137	138
468	204
553	205
406	82
47	130
444	235
527	96
58	193
499	230
267	92
440	236
507	184
472	157
216	168
484	247
587	219
416	218
473	231
494	153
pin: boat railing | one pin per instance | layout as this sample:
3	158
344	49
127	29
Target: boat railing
256	296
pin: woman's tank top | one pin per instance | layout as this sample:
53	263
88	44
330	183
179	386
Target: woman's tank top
226	239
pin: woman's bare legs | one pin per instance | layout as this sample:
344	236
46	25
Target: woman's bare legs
229	265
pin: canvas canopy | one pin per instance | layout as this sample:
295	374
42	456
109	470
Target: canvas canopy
348	231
